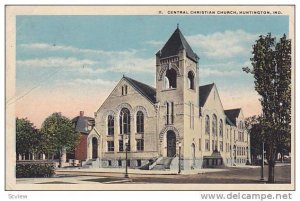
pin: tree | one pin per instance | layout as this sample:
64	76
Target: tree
254	129
28	137
271	63
59	135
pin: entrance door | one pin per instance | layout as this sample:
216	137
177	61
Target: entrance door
171	144
94	148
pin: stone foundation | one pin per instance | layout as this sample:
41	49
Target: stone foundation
185	163
121	163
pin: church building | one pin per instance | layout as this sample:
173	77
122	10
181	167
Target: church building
178	122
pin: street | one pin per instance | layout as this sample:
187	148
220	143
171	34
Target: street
231	175
234	175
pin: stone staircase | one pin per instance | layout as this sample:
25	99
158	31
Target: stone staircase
162	163
91	163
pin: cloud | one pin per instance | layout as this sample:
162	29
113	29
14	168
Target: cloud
101	61
225	44
46	46
205	72
88	70
133	64
93	82
55	62
71	49
231	68
155	43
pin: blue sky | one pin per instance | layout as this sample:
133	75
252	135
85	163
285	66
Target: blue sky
85	56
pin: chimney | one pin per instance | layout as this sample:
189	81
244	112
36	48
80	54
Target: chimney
81	113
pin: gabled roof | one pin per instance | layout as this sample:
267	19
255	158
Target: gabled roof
146	90
204	92
229	122
82	123
176	43
232	114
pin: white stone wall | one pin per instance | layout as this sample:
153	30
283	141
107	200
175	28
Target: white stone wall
134	102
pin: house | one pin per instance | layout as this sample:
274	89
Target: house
83	125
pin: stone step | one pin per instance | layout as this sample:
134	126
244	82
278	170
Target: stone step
163	164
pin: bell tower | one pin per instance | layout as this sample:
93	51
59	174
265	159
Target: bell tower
177	90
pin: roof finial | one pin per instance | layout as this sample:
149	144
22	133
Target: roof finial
177	25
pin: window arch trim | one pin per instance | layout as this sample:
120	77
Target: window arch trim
140	120
110	124
170	79
191	80
125	121
221	126
207	125
214	125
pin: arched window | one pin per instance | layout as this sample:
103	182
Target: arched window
166	83
241	125
214	125
124	90
170	79
207	125
170	113
221	128
234	137
110	125
125	121
191	80
140	122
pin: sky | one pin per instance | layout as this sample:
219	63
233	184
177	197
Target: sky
69	64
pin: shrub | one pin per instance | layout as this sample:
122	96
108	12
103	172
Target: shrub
34	169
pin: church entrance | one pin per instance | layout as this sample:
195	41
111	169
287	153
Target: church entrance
171	144
94	148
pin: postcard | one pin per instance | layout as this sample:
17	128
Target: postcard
150	97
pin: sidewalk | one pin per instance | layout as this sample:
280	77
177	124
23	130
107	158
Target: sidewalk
72	180
137	171
152	172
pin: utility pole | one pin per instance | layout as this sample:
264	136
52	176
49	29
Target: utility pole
126	157
262	162
179	160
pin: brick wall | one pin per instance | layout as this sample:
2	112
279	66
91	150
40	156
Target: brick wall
81	149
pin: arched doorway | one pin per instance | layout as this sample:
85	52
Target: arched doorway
94	148
193	154
171	144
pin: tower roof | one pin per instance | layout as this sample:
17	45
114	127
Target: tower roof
176	43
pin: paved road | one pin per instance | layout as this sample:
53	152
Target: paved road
232	175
